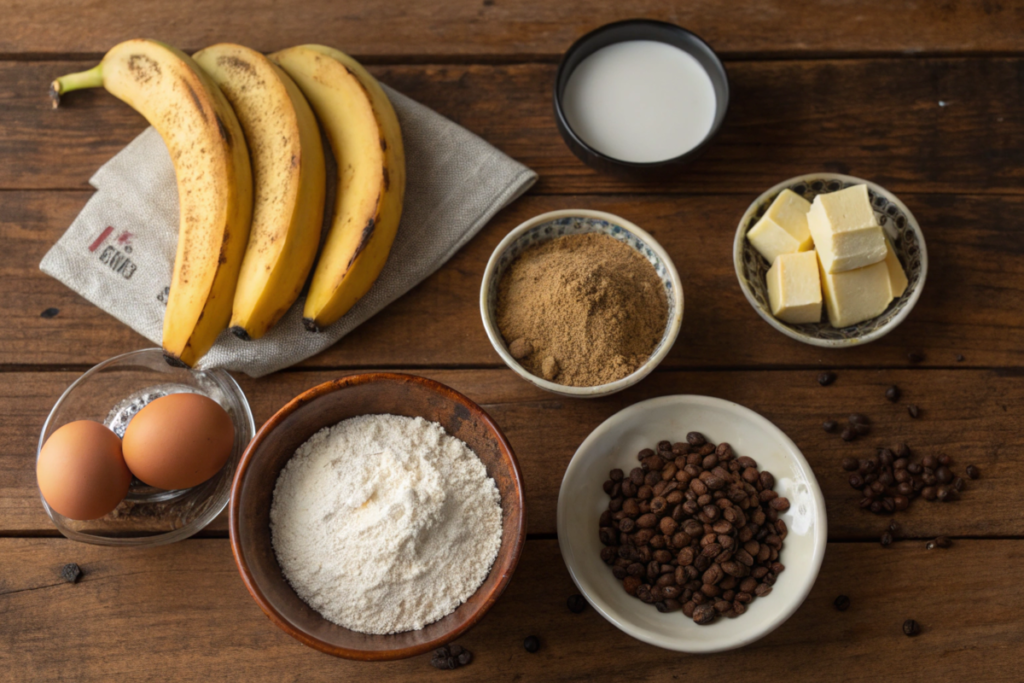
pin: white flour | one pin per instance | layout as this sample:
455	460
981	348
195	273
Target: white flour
385	524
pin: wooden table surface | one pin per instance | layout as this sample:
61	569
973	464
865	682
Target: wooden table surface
922	97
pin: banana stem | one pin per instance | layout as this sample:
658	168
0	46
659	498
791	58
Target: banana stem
93	78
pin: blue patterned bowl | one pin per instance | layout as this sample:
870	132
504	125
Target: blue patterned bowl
897	222
554	224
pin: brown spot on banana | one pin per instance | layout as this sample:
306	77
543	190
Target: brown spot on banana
144	68
196	101
224	132
387	179
364	239
383	145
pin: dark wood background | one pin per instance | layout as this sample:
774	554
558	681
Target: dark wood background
922	97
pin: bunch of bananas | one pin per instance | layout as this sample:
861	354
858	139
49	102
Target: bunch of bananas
249	162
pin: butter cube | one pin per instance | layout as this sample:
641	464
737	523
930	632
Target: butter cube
846	234
794	288
897	278
856	295
783	228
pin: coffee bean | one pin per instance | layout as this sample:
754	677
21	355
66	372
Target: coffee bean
913	411
973	472
911	628
826	378
959	358
850	464
842	603
704	614
856	481
695	439
576	603
532	644
892	393
930	545
858	419
943	542
829	426
915	356
70	572
958	484
929	493
848	435
943	475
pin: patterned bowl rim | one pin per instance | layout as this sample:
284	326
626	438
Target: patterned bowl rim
668	340
740	240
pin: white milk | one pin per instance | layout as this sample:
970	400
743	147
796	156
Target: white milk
640	101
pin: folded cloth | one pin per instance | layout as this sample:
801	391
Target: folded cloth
119	252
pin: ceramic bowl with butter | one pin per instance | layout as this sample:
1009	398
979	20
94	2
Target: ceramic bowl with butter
900	228
554	224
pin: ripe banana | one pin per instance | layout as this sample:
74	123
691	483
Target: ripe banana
367	143
211	163
288	178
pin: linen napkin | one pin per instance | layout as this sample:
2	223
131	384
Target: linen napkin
119	251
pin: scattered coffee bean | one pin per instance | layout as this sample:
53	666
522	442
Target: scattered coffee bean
451	657
892	393
915	357
858	419
848	435
826	378
71	572
829	426
49	313
532	644
943	541
576	603
842	603
930	545
893	527
914	411
973	472
850	464
911	628
959	358
886	539
861	429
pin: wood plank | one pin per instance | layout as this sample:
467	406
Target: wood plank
923	125
473	28
966	414
972	303
166	613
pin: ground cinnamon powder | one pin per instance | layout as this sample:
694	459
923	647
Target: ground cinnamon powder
581	310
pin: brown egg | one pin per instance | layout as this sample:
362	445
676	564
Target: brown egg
81	472
178	441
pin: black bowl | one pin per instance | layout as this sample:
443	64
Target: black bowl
639	29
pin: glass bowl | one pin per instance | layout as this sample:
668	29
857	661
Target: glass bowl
112	393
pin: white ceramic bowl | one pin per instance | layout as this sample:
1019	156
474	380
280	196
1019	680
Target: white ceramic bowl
615	443
548	226
897	222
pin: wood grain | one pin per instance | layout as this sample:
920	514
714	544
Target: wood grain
923	125
973	302
534	28
176	612
967	414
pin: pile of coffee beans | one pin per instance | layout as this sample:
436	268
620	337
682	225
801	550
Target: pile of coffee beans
891	479
451	657
694	528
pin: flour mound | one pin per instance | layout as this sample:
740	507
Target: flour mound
384	523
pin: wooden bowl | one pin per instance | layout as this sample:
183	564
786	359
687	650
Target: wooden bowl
326	405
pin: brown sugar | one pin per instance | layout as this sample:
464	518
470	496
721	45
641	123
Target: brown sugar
588	309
